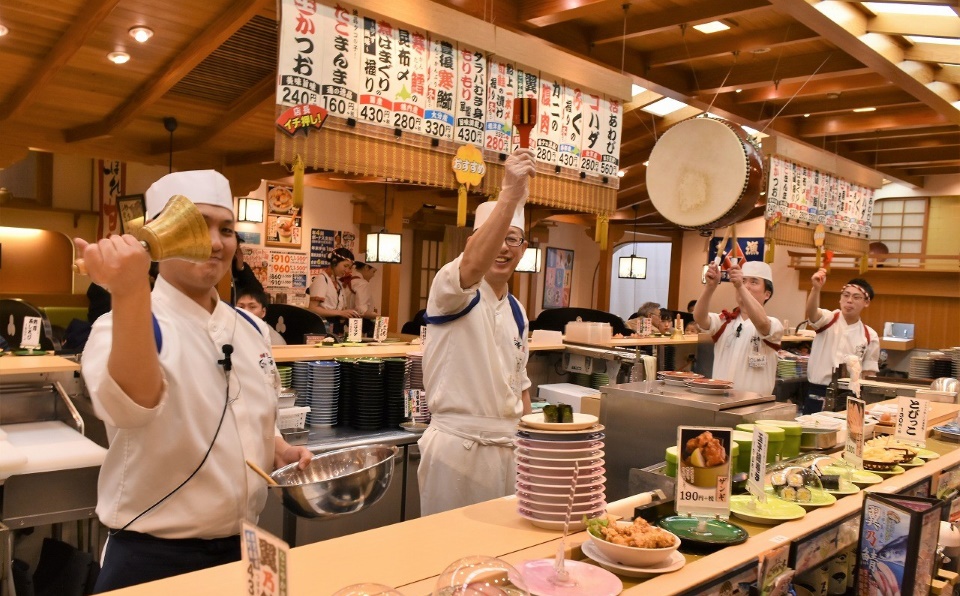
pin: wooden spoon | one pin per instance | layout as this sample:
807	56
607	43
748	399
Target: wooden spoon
262	474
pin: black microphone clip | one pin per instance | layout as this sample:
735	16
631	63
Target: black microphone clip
226	363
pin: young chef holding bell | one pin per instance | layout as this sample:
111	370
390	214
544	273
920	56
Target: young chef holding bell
839	332
187	388
475	358
746	341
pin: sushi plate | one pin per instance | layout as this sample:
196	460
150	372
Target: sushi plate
773	511
580	422
818	498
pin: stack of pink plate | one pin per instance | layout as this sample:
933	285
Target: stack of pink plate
677	378
710	386
547	454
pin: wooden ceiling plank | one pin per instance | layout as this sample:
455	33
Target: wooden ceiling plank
887	98
202	46
948	73
850	43
917	156
92	14
914	24
541	13
812	88
899	143
744	43
907	133
870	121
932	52
246	105
939	171
794	68
646	23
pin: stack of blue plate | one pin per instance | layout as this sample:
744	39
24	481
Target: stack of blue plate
369	404
324	394
300	382
393	387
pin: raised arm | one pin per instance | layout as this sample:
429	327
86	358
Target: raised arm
813	298
701	309
120	265
485	244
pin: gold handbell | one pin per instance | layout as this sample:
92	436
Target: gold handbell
179	232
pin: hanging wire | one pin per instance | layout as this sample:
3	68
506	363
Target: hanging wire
736	57
776	67
623	39
797	92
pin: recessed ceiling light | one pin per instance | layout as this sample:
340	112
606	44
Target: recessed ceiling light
664	106
806	115
3	31
646	163
917	9
759	50
738	90
711	27
865	109
141	34
118	57
636	90
833	95
621	173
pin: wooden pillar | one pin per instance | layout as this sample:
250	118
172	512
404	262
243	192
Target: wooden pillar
676	258
605	270
390	289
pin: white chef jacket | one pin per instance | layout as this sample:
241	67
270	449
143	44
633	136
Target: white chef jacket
731	354
361	299
154	450
474	370
835	342
331	294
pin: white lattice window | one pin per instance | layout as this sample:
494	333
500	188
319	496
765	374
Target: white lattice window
900	225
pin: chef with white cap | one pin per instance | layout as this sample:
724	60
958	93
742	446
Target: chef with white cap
746	341
475	357
187	388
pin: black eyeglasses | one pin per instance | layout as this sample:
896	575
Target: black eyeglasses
739	329
512	240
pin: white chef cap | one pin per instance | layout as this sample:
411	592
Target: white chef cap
207	187
485	209
757	269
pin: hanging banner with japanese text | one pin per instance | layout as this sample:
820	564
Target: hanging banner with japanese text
409	80
590	145
441	86
570	119
611	124
471	92
501	91
340	74
301	33
547	137
378	56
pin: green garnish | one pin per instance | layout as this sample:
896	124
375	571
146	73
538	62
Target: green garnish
594	525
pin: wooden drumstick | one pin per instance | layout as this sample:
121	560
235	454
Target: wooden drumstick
733	244
524	118
721	248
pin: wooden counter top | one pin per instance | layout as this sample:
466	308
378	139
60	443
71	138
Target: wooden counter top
18	365
385	350
410	555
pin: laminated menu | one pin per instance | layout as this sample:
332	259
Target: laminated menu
896	534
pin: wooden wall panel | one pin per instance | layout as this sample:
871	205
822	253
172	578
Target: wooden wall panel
937	319
35	262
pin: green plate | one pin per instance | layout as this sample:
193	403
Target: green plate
846	488
30	352
818	498
896	471
859	477
926	453
717	533
913	463
774	511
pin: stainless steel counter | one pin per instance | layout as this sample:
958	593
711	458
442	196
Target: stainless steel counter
321	440
640	425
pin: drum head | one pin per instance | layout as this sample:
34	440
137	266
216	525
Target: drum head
697	172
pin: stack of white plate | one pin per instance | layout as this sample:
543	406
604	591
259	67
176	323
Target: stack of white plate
920	367
547	456
955	356
324	393
416	403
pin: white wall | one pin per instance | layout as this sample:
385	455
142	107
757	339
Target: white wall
626	295
586	259
788	299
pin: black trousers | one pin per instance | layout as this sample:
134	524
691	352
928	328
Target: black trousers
133	558
813	401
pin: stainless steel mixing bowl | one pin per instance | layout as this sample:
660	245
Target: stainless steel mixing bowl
948	384
337	482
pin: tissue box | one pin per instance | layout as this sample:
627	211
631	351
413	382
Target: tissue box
568	393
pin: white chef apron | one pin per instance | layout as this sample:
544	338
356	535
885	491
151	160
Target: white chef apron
466	459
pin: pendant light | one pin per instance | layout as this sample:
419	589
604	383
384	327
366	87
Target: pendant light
633	267
383	247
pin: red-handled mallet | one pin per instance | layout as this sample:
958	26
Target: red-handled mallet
827	259
524	118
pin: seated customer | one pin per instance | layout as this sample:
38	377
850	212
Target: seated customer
256	302
649	310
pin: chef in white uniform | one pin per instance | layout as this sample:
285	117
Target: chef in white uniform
187	388
746	341
475	357
839	332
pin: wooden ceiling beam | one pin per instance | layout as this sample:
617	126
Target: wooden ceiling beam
747	73
937	171
844	33
943	141
914	24
932	52
948	73
870	121
541	13
950	3
892	97
202	46
917	157
252	101
646	23
743	43
92	14
910	133
812	88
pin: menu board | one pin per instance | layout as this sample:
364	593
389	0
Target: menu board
853	449
387	74
912	420
703	472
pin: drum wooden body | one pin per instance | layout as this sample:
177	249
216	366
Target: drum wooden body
704	174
